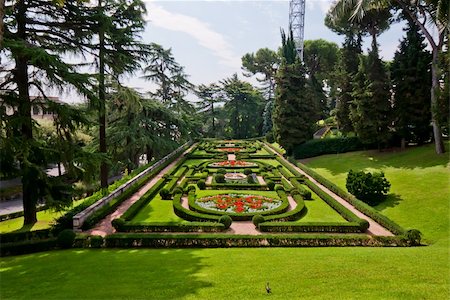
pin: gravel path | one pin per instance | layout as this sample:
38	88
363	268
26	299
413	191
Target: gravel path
374	228
104	227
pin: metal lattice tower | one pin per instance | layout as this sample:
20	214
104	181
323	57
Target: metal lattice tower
297	23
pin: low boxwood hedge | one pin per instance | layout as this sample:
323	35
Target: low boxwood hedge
173	227
14	237
190	215
25	247
291	215
328	227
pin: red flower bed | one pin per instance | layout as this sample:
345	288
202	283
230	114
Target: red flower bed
233	163
238	203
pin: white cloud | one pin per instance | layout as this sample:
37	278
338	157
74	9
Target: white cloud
199	30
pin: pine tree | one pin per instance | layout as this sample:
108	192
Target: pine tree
371	110
411	79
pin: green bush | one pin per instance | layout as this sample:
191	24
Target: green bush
118	224
220	178
177	190
270	185
279	187
250	179
248	171
329	146
222	171
165	194
65	238
226	221
270	137
96	241
201	184
191	188
368	187
257	219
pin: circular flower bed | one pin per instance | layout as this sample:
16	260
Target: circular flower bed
232	164
239	203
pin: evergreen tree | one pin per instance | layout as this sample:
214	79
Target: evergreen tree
295	111
371	109
411	79
35	43
209	95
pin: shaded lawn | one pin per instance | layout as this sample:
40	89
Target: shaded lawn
419	195
293	273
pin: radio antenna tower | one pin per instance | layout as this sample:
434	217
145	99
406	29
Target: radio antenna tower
297	24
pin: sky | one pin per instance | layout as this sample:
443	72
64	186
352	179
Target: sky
209	38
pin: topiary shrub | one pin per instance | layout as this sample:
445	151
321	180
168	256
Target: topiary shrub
295	191
250	179
220	178
118	224
201	184
414	236
177	190
270	185
270	137
248	171
165	194
96	241
65	238
226	221
191	188
279	187
221	171
258	219
368	187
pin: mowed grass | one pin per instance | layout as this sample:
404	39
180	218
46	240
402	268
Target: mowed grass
319	211
157	210
293	273
241	273
420	185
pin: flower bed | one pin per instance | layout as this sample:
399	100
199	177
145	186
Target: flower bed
239	203
233	164
230	149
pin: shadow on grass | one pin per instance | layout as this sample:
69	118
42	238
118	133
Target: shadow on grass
392	200
104	274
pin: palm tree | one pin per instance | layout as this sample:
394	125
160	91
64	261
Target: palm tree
428	15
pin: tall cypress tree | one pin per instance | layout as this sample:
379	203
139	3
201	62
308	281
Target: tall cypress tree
371	110
411	79
295	111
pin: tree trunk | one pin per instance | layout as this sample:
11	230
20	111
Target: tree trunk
24	108
438	143
149	153
102	104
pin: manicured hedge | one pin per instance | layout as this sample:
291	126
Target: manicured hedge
303	192
291	215
358	204
25	247
329	146
173	227
14	237
225	240
189	215
328	227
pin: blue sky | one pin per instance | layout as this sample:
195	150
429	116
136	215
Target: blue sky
208	38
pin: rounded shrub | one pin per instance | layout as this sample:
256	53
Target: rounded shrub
191	188
295	191
118	224
178	190
248	171
363	224
165	194
65	238
368	187
220	178
221	171
278	187
414	236
96	241
201	184
270	185
250	179
226	221
257	219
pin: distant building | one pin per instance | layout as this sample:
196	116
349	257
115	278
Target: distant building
39	110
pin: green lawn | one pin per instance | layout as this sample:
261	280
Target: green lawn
320	211
419	195
157	210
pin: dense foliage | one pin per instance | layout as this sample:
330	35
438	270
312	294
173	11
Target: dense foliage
368	187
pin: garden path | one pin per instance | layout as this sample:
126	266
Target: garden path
231	157
374	227
104	227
